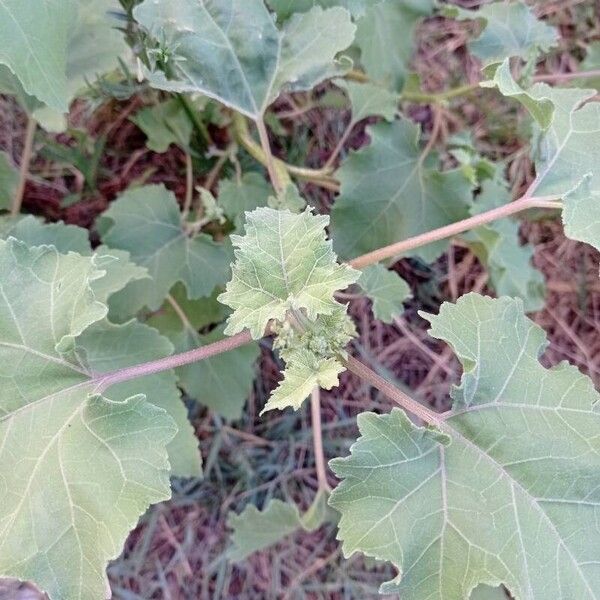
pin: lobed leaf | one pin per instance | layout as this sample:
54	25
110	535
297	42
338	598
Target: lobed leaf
504	492
146	222
283	262
386	289
390	192
510	29
78	467
231	50
384	36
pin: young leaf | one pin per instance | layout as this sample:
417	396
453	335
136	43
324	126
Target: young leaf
386	289
255	530
289	199
389	192
233	52
146	222
510	29
498	247
62	441
9	180
384	36
312	357
283	262
164	124
504	492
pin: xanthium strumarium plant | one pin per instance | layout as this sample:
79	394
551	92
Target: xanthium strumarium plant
98	343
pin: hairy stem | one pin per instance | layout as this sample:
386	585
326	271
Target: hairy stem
103	382
557	77
266	146
315	413
24	166
392	392
447	231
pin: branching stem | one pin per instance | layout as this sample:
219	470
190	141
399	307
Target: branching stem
24	166
266	146
315	413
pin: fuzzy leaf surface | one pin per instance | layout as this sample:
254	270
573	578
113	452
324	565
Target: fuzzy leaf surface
239	197
389	193
231	50
510	29
386	289
283	262
505	491
368	100
78	468
146	222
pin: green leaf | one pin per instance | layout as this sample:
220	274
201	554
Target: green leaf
386	289
591	62
504	492
255	530
146	222
541	109
566	160
385	37
109	347
77	44
233	52
119	272
485	592
9	180
35	36
238	197
289	199
34	232
283	262
223	382
286	8
510	29
164	124
389	193
498	247
78	468
369	100
312	357
116	264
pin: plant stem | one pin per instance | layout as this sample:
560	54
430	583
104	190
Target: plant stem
266	146
242	135
189	187
103	382
441	233
554	77
192	114
392	392
24	166
315	412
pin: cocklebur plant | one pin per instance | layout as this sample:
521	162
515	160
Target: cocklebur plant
97	344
